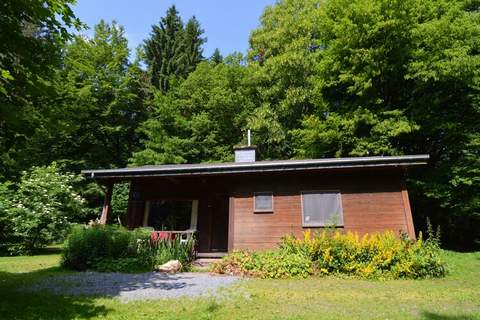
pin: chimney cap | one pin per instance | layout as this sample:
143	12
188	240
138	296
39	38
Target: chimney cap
244	147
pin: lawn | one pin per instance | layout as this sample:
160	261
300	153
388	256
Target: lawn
455	297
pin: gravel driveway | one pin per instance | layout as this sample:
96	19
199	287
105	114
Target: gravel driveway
130	287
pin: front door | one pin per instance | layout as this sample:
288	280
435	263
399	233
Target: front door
213	224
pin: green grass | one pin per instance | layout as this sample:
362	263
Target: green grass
456	296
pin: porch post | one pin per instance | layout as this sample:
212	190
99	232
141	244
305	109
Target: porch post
106	204
407	209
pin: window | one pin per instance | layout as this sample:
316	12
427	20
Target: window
169	214
322	208
263	202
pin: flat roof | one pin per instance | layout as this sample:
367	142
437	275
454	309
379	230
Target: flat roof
257	166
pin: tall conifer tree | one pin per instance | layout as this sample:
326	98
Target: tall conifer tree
193	44
173	50
216	57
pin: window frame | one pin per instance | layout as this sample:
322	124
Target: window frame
255	210
321	225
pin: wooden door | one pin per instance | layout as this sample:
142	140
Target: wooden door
219	222
213	224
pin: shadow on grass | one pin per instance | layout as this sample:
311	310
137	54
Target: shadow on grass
15	304
112	284
437	316
54	249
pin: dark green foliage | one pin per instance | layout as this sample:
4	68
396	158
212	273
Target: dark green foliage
6	232
368	77
173	50
216	57
111	248
201	119
90	119
99	247
102	105
119	203
193	44
324	79
31	39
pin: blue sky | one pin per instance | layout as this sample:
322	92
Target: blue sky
227	23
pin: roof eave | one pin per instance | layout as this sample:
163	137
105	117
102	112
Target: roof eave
291	165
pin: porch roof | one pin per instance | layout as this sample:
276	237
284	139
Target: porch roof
256	167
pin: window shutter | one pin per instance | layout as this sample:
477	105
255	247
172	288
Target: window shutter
263	201
321	208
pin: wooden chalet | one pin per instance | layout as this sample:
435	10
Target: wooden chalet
252	204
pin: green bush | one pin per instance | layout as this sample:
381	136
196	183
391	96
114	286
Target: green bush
114	248
96	247
274	264
378	256
39	209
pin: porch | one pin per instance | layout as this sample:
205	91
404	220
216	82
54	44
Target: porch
180	208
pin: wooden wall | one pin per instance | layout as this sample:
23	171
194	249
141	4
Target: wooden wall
372	202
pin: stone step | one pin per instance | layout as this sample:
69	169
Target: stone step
217	254
205	262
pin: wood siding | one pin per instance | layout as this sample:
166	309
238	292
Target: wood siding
373	200
371	203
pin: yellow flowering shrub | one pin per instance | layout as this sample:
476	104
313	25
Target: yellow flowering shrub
375	256
382	255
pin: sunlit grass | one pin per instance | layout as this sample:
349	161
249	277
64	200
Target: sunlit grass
456	296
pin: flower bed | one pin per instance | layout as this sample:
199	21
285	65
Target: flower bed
378	256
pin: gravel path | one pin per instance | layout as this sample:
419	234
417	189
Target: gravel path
130	287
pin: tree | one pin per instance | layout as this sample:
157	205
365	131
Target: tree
340	78
199	120
357	133
216	57
120	195
172	49
193	44
33	33
6	232
282	65
93	123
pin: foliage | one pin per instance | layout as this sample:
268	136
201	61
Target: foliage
112	248
100	246
275	264
163	251
201	119
454	296
377	256
324	78
359	133
367	77
92	121
33	34
119	203
34	31
6	193
173	50
216	57
102	107
41	208
371	256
